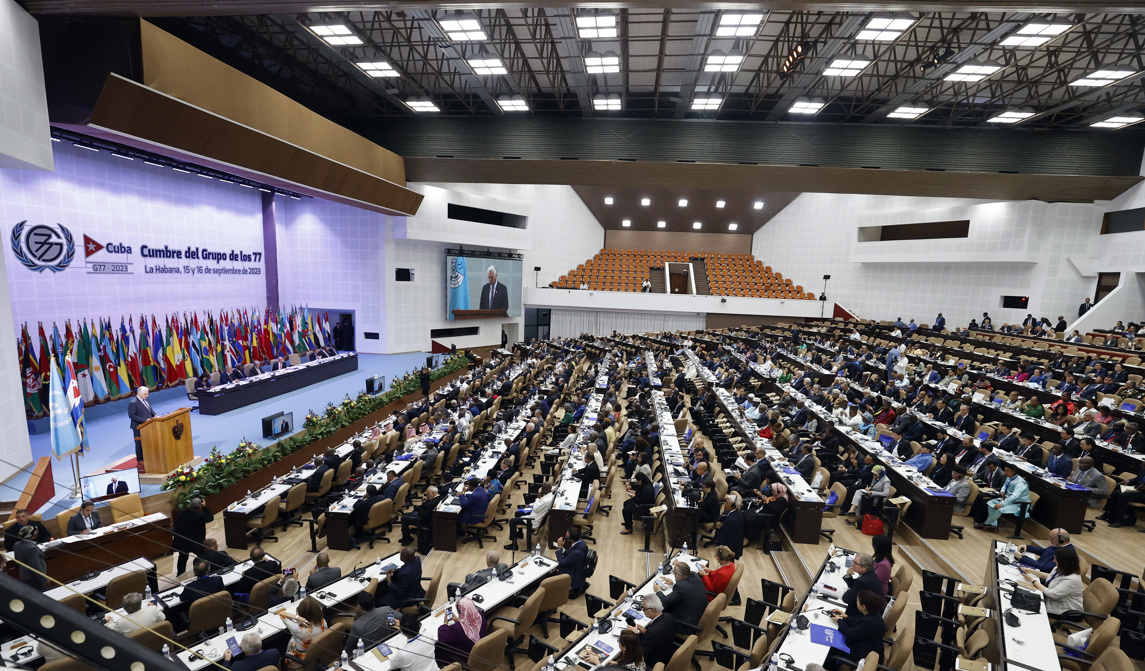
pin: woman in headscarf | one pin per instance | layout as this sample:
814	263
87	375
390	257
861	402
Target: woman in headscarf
461	630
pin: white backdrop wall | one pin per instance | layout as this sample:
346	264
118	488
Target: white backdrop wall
25	140
572	323
1015	248
332	255
113	200
15	444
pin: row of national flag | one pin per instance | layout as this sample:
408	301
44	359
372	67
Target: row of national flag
109	361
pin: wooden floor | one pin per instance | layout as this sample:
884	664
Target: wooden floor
620	555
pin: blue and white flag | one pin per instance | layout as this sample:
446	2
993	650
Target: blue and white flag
458	286
65	433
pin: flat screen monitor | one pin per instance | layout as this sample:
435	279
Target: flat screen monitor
96	486
375	384
283	424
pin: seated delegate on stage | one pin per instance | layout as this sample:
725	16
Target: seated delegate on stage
87	519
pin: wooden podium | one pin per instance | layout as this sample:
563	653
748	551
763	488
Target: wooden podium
167	441
479	314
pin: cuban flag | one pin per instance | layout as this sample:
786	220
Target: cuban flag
458	287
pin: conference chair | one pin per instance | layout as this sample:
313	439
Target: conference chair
155	636
121	586
324	486
207	614
479	531
259	600
556	596
707	624
1098	601
189	384
488	654
260	523
295	499
517	621
324	650
1077	659
682	658
379	518
76	602
126	507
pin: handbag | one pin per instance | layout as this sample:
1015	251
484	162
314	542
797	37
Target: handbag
1025	600
872	525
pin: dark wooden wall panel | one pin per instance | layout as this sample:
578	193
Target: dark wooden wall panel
669	241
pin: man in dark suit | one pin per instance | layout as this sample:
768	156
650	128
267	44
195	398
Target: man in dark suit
1007	439
370	628
204	583
263	568
1059	462
571	551
688	598
403	583
361	511
1028	451
964	422
494	296
254	657
732	525
23	519
279	364
860	576
211	554
473	502
231	374
418	525
87	519
1072	445
941	412
806	463
189	532
139	411
323	573
900	446
991	476
658	637
116	486
315	480
393	484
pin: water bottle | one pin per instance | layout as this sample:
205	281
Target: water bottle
248	493
345	660
301	592
595	627
774	665
147	593
167	651
378	563
230	625
631	593
361	649
684	550
538	550
551	665
222	630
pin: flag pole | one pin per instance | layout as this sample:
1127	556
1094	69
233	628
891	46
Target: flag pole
76	491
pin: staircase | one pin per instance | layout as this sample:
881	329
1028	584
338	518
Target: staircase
700	276
659	284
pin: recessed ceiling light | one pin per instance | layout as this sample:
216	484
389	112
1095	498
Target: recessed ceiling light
661	224
608	200
907	112
1035	34
733	226
422	105
602	64
683	202
379	69
706	104
514	104
696	225
846	67
463	29
738	25
758	205
487	66
596	26
1117	122
645	201
602	103
720	62
973	72
626	223
336	35
1013	116
1103	78
806	107
720	203
123	156
885	28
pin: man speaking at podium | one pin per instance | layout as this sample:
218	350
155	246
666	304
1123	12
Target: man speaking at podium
139	411
494	296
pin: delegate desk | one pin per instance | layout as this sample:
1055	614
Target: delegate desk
519	579
568	487
445	515
71	557
227	397
804	517
683	517
1029	646
797	648
338	536
596	648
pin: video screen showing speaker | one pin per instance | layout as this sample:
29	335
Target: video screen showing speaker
278	424
476	283
110	483
375	384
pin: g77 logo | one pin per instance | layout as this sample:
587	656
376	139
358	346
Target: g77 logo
48	247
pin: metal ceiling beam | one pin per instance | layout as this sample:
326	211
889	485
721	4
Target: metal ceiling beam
456	58
186	8
936	74
572	61
813	66
697	51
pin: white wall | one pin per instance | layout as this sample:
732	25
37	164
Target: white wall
332	256
1015	248
15	445
25	140
113	200
571	323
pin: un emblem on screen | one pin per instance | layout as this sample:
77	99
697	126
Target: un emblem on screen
43	247
455	278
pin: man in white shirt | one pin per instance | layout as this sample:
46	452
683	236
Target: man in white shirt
138	615
533	519
416	652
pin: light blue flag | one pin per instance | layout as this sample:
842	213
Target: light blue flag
65	434
458	286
